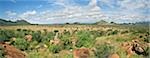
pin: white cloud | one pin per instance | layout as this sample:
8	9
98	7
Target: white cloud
92	11
89	13
132	5
27	14
126	6
10	13
30	12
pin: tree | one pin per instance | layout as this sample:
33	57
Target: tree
67	23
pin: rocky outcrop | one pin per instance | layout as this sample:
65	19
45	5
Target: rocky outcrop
81	53
12	52
134	47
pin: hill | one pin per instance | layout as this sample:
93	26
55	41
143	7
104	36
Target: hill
18	22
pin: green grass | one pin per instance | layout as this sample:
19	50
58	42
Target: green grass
85	38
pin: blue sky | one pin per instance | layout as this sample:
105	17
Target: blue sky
84	11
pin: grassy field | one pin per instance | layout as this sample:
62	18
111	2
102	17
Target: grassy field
59	41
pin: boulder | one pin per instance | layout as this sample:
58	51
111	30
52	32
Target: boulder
81	53
114	56
12	52
55	41
28	37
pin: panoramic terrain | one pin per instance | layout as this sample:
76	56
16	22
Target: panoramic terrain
74	29
98	40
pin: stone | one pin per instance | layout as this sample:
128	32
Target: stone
81	53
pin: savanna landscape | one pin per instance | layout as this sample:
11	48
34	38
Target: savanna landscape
75	41
74	29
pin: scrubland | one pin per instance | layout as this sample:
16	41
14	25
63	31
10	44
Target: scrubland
65	41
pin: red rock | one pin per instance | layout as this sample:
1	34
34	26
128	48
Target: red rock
12	52
28	37
114	56
81	53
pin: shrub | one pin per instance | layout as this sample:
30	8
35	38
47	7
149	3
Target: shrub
50	35
55	48
6	34
136	56
41	54
19	34
85	39
103	51
109	30
21	43
123	32
66	32
67	44
121	39
45	31
33	45
37	36
121	52
146	38
18	29
56	31
114	32
46	38
96	33
34	54
24	30
2	52
68	56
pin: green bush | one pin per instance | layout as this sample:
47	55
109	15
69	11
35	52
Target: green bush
34	54
19	34
68	56
85	39
33	45
121	52
47	37
6	34
66	32
113	32
146	38
45	31
21	43
102	51
123	32
67	44
121	39
96	33
37	36
55	48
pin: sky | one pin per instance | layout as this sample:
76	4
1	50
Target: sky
83	11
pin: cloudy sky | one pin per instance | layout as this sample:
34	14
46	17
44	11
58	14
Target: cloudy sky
84	11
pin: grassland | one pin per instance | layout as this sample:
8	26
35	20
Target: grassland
59	41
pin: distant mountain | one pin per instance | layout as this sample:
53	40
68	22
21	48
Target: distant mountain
137	23
18	22
143	23
103	22
22	22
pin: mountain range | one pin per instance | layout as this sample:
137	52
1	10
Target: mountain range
18	22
